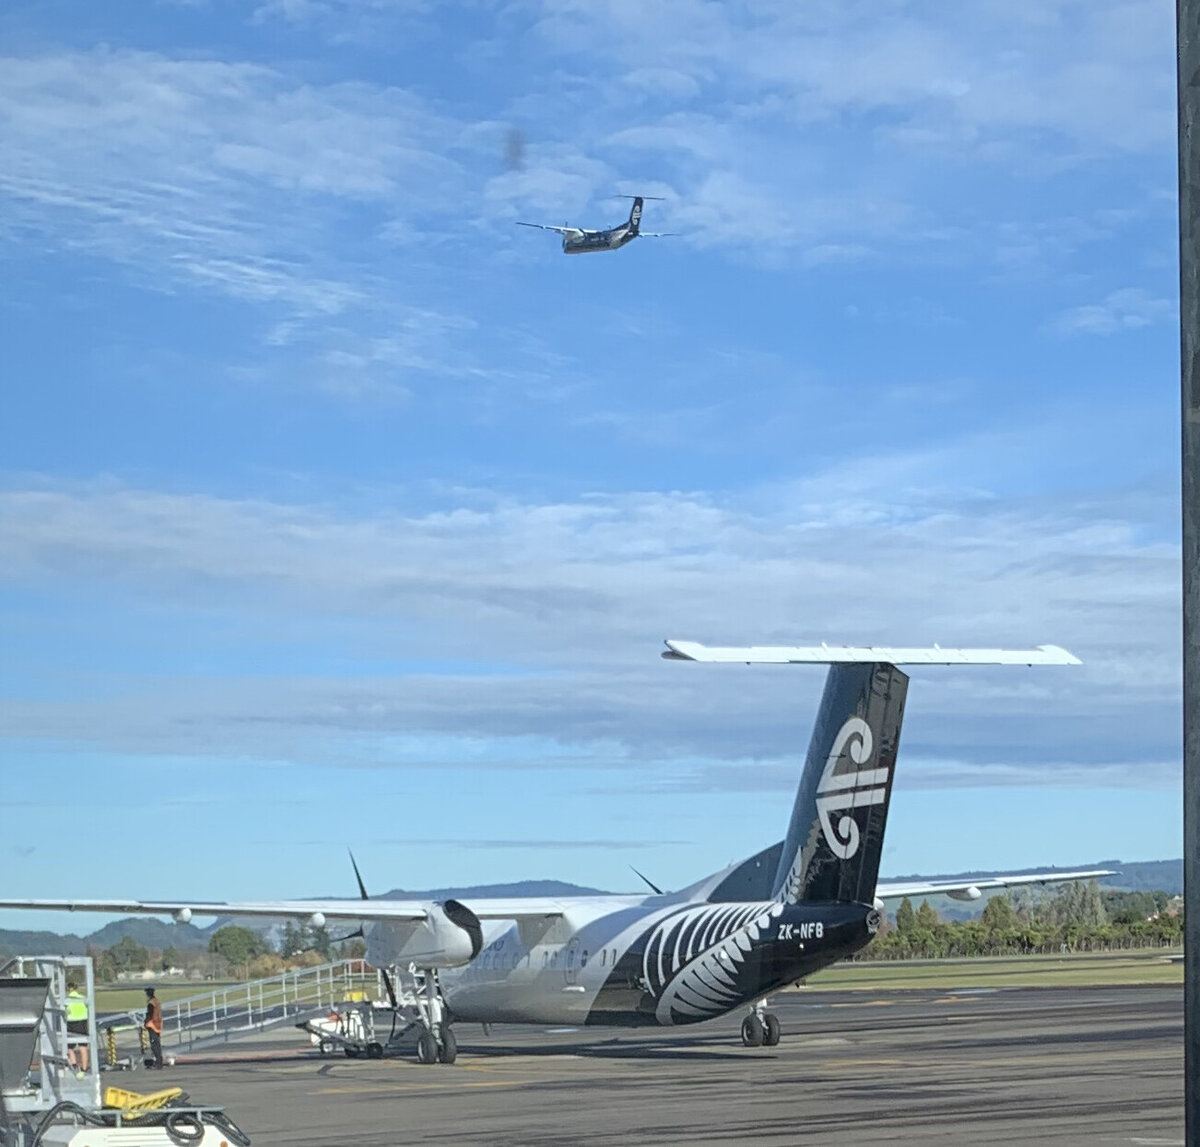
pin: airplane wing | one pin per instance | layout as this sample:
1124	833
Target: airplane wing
971	888
548	227
317	910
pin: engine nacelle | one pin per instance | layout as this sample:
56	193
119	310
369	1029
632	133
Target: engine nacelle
448	937
971	893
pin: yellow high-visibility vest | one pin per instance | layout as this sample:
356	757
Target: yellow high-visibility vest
77	1008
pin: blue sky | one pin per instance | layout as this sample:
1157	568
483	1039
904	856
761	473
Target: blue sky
338	509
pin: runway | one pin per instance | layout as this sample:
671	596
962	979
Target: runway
1073	1066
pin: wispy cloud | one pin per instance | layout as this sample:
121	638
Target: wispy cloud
241	181
831	558
1124	310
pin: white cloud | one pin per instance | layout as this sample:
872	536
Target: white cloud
1097	75
567	601
1124	310
236	180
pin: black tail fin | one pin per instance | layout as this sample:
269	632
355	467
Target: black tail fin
835	839
635	215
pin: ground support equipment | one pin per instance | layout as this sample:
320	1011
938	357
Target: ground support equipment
46	1102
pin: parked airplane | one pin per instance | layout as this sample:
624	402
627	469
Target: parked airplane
580	241
724	943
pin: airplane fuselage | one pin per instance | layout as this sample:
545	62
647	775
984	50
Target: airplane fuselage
639	961
580	242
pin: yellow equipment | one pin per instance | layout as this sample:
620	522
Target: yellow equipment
133	1103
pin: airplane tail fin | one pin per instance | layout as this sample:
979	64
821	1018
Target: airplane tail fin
835	839
635	214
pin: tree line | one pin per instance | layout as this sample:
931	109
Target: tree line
234	952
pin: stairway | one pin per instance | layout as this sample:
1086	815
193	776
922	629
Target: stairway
229	1012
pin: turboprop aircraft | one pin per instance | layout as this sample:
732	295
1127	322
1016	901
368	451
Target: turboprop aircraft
580	241
724	943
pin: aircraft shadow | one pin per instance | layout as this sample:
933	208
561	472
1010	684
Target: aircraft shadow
674	1049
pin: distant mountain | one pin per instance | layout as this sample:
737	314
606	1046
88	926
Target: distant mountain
145	930
1146	876
150	932
16	943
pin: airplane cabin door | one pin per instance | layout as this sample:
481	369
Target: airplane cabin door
571	962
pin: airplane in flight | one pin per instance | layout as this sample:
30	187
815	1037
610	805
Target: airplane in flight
580	241
725	943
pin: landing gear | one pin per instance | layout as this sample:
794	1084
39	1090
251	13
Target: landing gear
427	1048
760	1029
436	1042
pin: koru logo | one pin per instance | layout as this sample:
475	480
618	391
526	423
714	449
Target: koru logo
848	789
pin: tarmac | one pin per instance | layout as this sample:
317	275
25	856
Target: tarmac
1070	1065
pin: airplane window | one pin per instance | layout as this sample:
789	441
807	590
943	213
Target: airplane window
583	959
603	953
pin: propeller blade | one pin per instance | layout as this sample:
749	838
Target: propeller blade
653	887
362	888
357	934
387	980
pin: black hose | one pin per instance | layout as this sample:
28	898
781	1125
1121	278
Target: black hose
66	1107
184	1127
187	1126
227	1126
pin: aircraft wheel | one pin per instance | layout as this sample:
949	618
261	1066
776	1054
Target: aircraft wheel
350	1052
770	1030
448	1052
752	1031
427	1048
374	1051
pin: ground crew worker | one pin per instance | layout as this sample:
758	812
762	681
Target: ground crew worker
154	1025
78	1050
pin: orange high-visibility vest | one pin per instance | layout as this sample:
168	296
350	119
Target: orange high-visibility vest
154	1015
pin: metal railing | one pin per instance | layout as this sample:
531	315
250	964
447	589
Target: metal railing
225	1013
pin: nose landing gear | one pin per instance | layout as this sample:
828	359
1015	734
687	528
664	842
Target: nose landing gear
436	1042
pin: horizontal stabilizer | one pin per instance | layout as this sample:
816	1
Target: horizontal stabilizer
968	889
849	654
